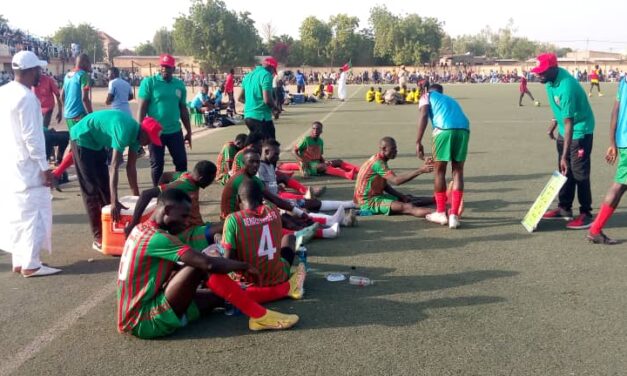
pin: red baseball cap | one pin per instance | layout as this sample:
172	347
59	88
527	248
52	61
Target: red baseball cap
167	60
153	129
545	61
271	62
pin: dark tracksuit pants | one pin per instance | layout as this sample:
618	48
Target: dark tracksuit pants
578	174
176	146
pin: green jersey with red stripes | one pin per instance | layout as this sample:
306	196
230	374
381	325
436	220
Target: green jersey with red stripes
185	182
224	162
238	161
254	236
310	149
230	202
371	180
150	254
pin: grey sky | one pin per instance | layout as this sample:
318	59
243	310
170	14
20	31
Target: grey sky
131	22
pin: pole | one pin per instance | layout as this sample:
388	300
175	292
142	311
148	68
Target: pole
133	77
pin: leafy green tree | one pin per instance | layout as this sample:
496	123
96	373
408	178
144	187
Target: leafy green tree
217	37
163	42
344	41
315	36
85	35
145	49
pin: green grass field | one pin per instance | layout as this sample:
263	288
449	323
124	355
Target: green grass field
487	299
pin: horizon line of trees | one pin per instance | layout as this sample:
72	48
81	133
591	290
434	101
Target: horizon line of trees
220	38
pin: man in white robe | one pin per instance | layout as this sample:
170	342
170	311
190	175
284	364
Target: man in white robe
26	220
341	83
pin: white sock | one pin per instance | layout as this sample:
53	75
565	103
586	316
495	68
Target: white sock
331	232
328	205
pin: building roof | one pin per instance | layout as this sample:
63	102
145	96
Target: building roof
108	37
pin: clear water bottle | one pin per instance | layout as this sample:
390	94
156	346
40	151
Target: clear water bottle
230	309
360	281
365	213
302	256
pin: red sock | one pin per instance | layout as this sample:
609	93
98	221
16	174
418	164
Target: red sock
349	167
285	231
456	200
67	161
289	166
297	186
226	288
605	212
322	221
440	202
319	234
334	171
290	196
269	293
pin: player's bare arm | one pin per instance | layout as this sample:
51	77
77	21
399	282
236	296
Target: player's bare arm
610	155
423	120
116	206
568	139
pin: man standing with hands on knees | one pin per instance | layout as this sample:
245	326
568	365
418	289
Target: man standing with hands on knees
574	120
163	97
26	221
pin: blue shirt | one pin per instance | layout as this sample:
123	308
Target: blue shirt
446	113
74	84
621	125
198	100
300	79
217	97
120	90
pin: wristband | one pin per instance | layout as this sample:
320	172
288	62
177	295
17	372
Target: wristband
297	212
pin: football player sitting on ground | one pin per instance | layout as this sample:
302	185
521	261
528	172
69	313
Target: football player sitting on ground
285	176
329	89
378	96
197	234
270	151
308	152
295	222
319	91
255	235
226	157
370	94
375	178
451	131
156	296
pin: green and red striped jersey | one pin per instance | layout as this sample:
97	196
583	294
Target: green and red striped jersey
238	161
310	149
186	183
254	236
230	202
224	162
150	254
371	179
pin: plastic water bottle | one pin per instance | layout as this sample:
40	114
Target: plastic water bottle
360	281
365	213
230	309
302	255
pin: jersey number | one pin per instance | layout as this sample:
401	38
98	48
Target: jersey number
125	260
266	247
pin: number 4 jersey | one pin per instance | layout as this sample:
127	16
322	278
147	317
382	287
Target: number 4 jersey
254	236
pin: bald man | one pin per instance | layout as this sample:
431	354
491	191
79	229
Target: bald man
373	189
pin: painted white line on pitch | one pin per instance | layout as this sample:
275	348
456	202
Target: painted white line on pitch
61	326
327	116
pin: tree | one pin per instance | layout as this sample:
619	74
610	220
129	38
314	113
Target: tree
163	41
145	49
344	41
216	36
281	51
85	35
409	39
267	32
315	36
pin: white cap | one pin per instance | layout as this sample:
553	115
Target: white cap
26	60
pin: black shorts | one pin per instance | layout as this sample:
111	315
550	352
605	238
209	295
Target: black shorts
259	130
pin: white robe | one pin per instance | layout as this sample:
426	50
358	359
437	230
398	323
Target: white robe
341	90
26	220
